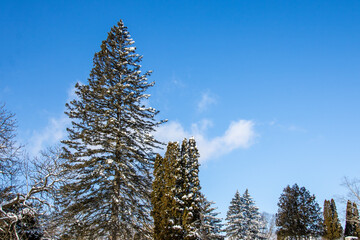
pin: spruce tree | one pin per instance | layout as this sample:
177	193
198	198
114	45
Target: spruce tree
299	214
251	218
234	217
332	226
244	220
211	226
109	150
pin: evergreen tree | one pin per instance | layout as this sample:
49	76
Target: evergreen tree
332	226
349	224
211	226
158	187
191	196
176	193
234	217
244	220
352	226
298	214
251	218
356	220
109	146
166	212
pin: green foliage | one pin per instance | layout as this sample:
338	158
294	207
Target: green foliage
332	227
298	214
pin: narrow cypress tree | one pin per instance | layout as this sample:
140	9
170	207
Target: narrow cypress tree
332	226
356	223
109	147
172	211
158	187
349	224
176	196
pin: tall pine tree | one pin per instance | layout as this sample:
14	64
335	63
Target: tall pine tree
109	146
332	227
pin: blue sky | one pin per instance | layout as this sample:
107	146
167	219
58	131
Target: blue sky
269	89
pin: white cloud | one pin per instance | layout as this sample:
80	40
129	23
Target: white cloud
240	134
207	99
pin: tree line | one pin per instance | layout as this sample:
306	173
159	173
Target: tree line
105	180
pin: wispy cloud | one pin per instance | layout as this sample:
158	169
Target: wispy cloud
240	134
290	128
207	99
53	132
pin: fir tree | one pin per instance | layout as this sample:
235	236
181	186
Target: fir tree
298	214
109	146
234	229
332	226
211	226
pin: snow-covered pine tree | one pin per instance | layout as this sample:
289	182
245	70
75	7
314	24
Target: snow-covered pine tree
251	221
234	217
190	194
211	226
109	149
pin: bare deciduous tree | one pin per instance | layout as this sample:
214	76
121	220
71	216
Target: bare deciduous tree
33	201
9	150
